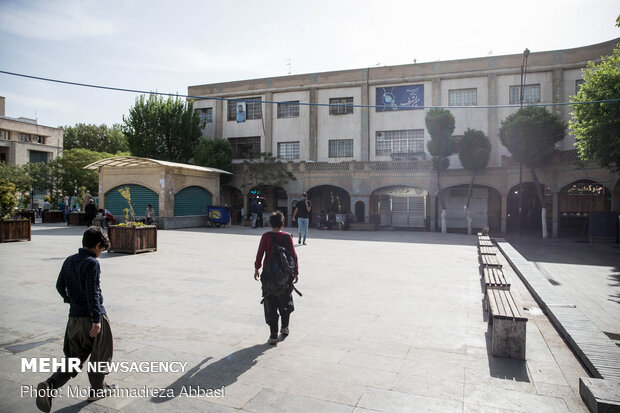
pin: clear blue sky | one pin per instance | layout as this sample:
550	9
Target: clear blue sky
169	45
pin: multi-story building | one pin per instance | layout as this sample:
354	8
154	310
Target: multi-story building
23	140
356	140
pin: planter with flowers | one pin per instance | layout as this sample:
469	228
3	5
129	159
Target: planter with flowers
131	236
12	226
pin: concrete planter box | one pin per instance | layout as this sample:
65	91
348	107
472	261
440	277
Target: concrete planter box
132	240
78	219
50	217
15	230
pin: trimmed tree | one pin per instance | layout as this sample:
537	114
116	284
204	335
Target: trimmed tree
474	154
440	125
530	135
164	129
597	125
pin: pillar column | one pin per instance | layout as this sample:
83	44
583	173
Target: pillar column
504	213
555	214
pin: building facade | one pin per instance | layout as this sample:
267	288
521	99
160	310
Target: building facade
23	140
356	141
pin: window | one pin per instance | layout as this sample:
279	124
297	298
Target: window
462	97
288	109
24	137
205	115
340	110
39	139
399	141
578	84
288	150
38	156
341	148
531	94
243	147
252	107
5	135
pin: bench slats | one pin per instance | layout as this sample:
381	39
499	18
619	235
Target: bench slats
487	250
489	261
494	278
503	305
485	243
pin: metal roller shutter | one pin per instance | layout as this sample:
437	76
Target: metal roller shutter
192	200
141	197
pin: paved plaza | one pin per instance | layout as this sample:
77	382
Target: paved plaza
389	322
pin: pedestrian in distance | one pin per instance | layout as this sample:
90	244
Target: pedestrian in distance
274	246
302	215
149	215
88	332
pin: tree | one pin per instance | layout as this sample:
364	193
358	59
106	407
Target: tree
597	125
16	183
165	129
67	172
215	153
440	125
265	170
474	154
530	135
95	138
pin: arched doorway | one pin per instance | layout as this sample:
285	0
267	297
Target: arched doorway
141	198
531	208
360	211
233	198
328	199
399	207
485	207
576	201
192	200
272	198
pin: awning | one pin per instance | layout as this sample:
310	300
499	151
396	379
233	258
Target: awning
133	161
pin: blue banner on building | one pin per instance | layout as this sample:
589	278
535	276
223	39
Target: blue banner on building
400	98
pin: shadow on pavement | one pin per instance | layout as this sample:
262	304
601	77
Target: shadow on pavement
216	375
502	367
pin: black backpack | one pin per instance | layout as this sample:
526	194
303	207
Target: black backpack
280	270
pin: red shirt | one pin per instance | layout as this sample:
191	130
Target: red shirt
266	245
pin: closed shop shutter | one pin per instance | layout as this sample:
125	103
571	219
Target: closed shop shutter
385	209
141	197
192	200
399	211
417	212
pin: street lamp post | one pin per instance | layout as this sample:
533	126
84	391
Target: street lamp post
526	53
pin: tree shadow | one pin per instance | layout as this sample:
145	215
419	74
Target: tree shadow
216	375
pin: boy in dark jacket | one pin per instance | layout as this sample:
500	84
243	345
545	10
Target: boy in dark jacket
88	330
284	302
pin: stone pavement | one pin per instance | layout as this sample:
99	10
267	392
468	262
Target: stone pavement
587	274
389	321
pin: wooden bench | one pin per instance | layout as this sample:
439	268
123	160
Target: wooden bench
508	333
488	260
485	244
487	250
494	278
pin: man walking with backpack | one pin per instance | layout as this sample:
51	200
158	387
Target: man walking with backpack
280	272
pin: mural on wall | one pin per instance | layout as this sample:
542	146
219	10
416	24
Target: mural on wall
400	98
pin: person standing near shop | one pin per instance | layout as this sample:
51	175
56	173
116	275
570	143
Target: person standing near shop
302	215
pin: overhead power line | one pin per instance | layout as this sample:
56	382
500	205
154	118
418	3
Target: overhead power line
144	92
